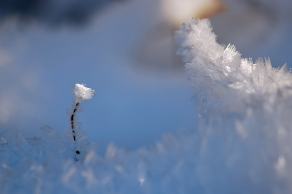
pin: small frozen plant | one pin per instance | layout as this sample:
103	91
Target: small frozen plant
82	93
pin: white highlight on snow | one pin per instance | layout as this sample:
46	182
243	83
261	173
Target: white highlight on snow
68	175
83	93
141	180
280	166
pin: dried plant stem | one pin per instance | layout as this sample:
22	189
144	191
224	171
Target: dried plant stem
74	125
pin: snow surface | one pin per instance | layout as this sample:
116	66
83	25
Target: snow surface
242	144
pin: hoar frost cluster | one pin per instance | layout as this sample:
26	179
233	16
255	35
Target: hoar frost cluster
244	127
242	143
83	93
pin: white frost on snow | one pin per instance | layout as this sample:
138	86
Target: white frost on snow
242	144
245	127
209	61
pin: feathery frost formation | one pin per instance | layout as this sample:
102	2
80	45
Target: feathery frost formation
83	93
245	125
209	61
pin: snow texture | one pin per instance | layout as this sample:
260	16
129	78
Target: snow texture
245	129
242	144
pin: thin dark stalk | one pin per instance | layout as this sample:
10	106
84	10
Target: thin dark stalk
74	126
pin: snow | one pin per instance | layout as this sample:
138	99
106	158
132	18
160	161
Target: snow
242	143
44	163
205	58
244	124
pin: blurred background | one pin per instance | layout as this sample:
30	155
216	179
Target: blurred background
125	50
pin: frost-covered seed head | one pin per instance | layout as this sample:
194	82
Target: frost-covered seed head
83	93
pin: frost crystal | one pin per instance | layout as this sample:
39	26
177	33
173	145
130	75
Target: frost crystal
83	93
209	62
245	116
